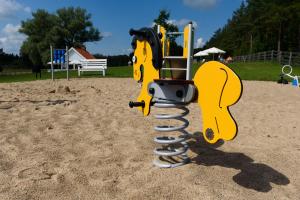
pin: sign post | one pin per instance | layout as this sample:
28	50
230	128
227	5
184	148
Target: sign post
59	56
52	68
67	61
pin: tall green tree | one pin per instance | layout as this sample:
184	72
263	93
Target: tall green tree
74	27
66	27
261	25
163	19
38	29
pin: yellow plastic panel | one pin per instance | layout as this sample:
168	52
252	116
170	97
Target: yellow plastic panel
144	71
163	41
186	41
218	88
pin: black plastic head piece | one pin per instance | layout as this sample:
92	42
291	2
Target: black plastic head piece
149	35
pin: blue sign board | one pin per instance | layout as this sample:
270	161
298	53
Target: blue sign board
59	56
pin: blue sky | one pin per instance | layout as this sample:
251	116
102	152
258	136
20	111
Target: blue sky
114	18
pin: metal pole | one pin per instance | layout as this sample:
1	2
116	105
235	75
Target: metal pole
51	53
67	61
290	58
190	52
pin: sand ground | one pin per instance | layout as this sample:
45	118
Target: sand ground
87	144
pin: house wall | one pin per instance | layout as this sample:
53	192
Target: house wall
75	57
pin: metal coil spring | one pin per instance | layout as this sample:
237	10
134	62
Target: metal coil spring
173	151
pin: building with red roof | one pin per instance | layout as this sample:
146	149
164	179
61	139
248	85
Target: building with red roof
77	55
84	53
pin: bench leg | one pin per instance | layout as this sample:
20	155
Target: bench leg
103	72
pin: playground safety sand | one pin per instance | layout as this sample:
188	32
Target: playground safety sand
85	143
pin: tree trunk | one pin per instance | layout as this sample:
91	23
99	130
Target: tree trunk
279	44
279	39
251	43
299	38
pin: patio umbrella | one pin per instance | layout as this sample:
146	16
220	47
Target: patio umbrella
201	53
214	51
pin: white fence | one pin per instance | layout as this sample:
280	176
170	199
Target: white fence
283	57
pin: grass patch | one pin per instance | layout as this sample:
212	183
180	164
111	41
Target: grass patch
15	69
110	72
263	71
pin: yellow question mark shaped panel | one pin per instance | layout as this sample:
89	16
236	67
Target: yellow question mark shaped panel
218	88
144	71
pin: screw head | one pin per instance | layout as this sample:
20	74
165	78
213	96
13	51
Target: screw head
209	133
179	93
152	91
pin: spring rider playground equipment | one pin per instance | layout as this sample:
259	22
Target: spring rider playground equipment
215	87
295	78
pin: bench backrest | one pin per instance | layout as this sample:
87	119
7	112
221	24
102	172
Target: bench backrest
94	63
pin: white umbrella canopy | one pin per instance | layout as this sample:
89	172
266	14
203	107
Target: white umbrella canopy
214	50
201	53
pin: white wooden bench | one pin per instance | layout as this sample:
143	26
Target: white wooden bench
93	65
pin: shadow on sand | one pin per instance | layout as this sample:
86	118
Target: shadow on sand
256	176
51	102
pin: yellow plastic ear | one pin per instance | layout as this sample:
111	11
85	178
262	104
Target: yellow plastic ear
143	53
218	88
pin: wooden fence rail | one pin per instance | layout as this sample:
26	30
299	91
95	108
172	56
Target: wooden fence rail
283	57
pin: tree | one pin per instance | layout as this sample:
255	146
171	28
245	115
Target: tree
9	60
261	25
66	27
39	30
163	19
74	27
117	60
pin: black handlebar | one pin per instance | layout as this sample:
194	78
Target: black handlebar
136	104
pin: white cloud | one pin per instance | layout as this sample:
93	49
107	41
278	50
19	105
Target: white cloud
106	34
200	3
199	43
10	38
9	8
11	29
182	22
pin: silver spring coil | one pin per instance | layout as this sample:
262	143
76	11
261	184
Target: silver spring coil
173	152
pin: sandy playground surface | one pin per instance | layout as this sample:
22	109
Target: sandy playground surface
87	144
